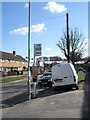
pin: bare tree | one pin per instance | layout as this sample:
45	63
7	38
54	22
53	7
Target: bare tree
77	44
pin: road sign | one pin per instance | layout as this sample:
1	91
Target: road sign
34	71
37	49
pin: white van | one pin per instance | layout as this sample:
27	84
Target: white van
64	74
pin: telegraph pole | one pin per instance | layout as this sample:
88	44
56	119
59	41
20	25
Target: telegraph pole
68	42
29	82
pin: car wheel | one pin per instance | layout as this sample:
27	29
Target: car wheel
50	84
3	75
40	85
77	87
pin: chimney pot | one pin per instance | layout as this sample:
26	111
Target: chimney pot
14	53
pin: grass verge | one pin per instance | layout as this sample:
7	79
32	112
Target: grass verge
81	79
81	76
81	85
11	79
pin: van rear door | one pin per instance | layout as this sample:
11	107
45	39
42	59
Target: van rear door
68	74
57	74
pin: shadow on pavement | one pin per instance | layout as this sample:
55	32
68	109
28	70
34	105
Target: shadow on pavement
49	91
20	98
10	102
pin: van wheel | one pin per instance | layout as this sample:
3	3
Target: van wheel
77	87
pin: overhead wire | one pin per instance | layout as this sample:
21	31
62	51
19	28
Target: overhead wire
60	16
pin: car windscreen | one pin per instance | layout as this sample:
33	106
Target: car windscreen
46	74
45	78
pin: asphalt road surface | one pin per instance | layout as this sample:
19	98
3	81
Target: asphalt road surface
14	88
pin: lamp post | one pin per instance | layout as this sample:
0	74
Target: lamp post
68	42
29	82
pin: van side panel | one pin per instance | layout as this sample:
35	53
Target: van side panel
75	73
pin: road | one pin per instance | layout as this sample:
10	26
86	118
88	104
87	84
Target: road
13	88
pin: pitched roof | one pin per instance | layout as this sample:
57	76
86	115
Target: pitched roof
10	56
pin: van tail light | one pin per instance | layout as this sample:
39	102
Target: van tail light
74	78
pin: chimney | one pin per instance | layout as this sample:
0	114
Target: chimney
14	53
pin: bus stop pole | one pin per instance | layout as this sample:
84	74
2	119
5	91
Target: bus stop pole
34	89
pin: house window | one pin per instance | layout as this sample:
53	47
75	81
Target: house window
18	62
4	69
13	61
45	58
3	60
0	69
8	61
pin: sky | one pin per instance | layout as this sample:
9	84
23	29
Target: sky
48	21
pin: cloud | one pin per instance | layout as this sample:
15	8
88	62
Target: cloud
54	7
19	31
26	5
48	49
38	28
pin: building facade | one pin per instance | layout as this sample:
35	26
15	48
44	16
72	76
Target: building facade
11	61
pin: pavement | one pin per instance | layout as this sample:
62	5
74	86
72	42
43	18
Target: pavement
71	104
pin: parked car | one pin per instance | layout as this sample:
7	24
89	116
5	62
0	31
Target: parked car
18	72
15	72
45	81
79	69
3	73
64	75
47	74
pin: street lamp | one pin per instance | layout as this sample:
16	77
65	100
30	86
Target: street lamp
29	82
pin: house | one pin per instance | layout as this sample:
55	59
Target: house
46	63
12	61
